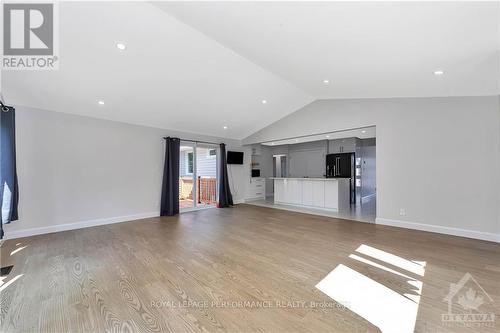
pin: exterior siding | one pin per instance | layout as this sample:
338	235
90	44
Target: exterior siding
206	165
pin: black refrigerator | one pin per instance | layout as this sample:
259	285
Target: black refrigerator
342	166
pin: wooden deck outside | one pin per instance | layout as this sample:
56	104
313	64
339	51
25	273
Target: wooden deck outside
206	191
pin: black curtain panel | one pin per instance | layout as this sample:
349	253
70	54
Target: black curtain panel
9	191
170	184
225	197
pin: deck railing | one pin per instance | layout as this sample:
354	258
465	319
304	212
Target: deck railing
207	189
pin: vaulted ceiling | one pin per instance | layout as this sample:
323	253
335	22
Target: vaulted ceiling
203	66
364	49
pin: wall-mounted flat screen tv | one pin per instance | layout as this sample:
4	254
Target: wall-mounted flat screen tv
234	157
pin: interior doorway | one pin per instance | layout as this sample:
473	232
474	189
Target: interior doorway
365	174
365	178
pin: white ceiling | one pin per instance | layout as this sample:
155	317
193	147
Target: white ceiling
365	49
199	66
361	133
170	75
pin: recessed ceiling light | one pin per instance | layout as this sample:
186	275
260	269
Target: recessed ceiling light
264	101
326	81
363	131
272	143
438	72
224	127
296	140
327	136
121	46
101	102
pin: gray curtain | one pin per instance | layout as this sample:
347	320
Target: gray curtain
225	197
9	190
170	185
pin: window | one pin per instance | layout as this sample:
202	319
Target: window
211	153
8	178
189	163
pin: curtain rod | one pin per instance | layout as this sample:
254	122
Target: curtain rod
211	143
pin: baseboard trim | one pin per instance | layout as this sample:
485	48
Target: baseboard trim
382	221
76	225
487	236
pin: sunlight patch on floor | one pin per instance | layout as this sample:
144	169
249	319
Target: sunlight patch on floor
411	266
385	308
18	250
4	286
374	264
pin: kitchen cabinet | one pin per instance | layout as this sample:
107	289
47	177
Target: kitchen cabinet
337	195
330	194
256	149
256	189
293	191
347	145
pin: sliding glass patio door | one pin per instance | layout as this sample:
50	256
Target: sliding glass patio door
187	190
197	176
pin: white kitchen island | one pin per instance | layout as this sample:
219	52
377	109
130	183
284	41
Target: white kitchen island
322	193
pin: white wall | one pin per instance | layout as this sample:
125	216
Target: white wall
239	174
436	157
75	169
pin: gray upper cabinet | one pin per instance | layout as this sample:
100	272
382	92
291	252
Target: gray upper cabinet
347	145
256	149
334	146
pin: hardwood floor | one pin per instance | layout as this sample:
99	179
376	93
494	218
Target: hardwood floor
244	269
